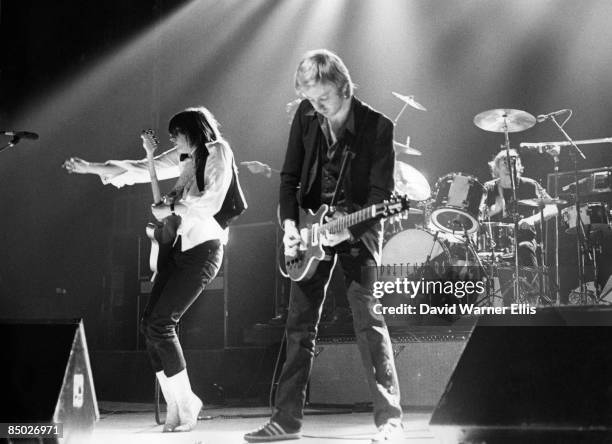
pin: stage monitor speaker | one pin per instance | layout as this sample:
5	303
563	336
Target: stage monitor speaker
547	380
423	368
46	377
251	278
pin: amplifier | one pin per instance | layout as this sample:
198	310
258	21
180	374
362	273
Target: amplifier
423	368
592	183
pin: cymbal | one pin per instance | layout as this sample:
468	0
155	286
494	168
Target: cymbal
410	101
502	120
410	182
405	148
542	202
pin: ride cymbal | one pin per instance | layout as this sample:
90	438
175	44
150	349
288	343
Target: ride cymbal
504	120
542	202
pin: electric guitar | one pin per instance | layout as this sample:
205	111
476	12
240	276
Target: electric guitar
312	228
162	234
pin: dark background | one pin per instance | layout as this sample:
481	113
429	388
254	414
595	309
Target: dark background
89	76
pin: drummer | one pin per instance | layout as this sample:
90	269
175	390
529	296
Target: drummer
498	197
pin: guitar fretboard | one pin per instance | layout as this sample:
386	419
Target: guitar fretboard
343	222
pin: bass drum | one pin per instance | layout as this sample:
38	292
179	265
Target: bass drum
411	247
403	256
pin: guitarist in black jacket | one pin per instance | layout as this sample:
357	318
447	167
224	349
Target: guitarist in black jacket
329	121
203	162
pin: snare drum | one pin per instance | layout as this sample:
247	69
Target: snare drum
594	216
457	202
496	239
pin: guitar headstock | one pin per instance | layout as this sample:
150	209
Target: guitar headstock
395	205
149	140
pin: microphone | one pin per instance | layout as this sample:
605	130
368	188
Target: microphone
20	134
543	117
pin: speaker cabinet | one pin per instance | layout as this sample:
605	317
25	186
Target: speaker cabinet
46	377
423	369
251	278
548	380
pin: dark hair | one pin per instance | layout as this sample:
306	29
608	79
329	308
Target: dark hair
198	125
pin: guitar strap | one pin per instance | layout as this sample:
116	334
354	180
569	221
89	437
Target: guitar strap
347	155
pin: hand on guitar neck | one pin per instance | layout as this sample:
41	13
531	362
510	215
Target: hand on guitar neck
331	239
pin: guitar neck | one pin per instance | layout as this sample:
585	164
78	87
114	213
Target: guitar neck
343	222
154	182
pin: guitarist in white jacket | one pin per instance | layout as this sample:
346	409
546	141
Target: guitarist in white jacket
202	160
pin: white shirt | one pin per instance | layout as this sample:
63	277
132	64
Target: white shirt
198	224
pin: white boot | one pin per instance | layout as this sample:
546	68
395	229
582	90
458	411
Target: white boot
172	413
189	405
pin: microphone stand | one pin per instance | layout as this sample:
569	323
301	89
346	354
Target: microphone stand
14	141
556	196
581	249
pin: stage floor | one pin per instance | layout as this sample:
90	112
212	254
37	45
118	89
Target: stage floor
135	423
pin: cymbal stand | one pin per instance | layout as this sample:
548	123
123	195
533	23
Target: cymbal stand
513	209
581	248
400	113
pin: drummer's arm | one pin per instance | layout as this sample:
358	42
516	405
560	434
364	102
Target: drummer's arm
489	195
549	211
494	209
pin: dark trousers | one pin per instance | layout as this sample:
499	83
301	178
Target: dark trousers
305	305
177	285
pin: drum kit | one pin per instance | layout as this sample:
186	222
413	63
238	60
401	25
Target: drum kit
448	227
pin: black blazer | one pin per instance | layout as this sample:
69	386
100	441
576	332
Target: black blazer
369	177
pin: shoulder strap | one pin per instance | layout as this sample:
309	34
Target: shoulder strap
348	155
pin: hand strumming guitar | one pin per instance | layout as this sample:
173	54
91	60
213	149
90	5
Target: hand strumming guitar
291	238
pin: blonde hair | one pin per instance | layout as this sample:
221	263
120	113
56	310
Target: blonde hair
322	65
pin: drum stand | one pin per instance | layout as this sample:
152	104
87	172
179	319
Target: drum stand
471	248
595	248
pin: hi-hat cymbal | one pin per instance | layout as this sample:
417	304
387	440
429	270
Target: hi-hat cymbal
405	149
410	101
541	202
502	120
410	182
